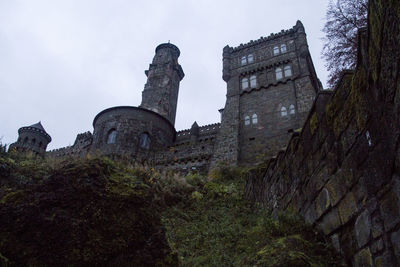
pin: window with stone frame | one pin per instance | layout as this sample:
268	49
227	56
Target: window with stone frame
288	71
292	110
254	119
245	83
111	137
283	48
247	120
283	112
253	81
276	50
144	141
278	73
243	61
250	58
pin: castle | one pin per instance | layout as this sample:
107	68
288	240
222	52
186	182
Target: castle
271	85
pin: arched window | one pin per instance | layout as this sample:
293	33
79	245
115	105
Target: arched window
253	81
40	144
278	73
283	48
144	141
246	120
26	140
288	71
283	112
292	110
111	137
250	58
245	83
33	141
243	60
276	50
254	119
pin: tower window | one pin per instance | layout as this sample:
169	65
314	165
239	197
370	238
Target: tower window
250	58
254	119
26	140
111	137
33	141
144	141
276	50
245	83
246	120
243	60
292	110
278	73
40	144
283	48
283	112
288	71
253	81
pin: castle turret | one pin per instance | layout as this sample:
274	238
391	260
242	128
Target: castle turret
194	133
160	93
32	138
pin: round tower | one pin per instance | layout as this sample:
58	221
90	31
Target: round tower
32	138
161	90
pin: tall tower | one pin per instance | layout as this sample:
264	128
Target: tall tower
32	138
160	93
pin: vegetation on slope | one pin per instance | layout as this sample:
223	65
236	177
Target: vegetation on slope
99	211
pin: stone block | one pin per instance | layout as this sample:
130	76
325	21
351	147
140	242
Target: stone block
363	228
322	202
336	242
395	238
330	222
377	226
390	209
347	208
310	215
385	260
377	246
336	188
363	258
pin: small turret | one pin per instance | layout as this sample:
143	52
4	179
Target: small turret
32	138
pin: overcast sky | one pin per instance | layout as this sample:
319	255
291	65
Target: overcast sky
64	61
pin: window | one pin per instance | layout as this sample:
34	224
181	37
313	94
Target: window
243	61
40	144
253	81
254	119
250	58
278	73
245	83
112	134
292	110
144	141
283	112
283	48
276	50
288	71
26	140
246	120
33	141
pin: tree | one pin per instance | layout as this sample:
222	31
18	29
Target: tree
343	20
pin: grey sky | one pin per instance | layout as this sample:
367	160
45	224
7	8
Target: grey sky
63	61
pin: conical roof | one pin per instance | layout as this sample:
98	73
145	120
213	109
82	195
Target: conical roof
38	126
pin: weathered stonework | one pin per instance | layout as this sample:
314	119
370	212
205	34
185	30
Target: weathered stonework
342	171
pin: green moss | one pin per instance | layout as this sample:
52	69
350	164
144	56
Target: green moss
15	197
313	123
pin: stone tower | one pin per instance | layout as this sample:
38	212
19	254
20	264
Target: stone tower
271	85
32	138
160	93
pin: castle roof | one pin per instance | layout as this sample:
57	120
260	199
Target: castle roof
38	128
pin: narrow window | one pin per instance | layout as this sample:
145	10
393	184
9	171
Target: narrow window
283	112
276	50
244	60
246	120
288	71
26	140
254	119
250	58
112	134
278	73
144	141
40	144
33	141
245	83
292	110
283	48
253	81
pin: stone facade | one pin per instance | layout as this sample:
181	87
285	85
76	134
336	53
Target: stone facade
271	84
342	171
32	138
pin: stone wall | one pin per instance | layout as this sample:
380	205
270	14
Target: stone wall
342	172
